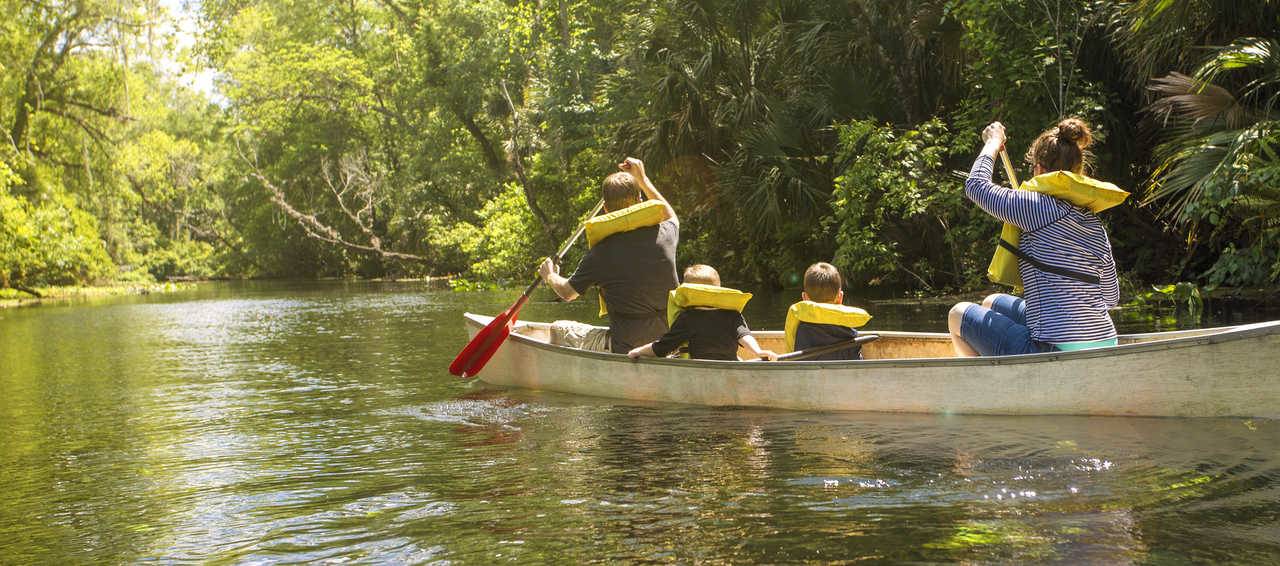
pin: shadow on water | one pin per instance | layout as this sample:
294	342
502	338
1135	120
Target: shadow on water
309	422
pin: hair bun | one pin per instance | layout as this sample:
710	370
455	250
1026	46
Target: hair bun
1075	131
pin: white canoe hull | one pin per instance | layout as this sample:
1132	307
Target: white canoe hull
1219	372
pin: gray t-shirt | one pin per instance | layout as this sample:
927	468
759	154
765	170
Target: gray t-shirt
634	270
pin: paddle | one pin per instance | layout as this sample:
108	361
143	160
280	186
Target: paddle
477	352
1008	169
820	350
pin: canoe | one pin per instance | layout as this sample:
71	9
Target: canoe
1215	372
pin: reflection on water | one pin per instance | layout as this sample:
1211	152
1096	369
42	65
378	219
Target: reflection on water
312	422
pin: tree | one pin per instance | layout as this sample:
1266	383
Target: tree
1217	168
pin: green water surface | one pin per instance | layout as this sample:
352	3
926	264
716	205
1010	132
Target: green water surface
252	423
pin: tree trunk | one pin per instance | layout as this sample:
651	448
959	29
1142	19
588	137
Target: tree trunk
27	290
19	130
491	157
518	165
564	24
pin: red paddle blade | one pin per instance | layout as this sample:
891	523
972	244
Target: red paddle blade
477	352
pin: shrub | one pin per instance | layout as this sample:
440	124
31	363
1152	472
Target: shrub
52	243
505	247
189	258
899	211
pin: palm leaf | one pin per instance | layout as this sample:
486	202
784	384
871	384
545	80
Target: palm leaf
1261	56
1187	98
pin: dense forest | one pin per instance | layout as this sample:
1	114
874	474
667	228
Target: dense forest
402	138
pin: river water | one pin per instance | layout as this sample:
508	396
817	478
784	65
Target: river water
316	422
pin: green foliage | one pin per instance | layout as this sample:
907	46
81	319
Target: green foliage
899	214
467	137
1171	305
113	158
187	258
52	243
463	285
504	249
1249	266
1159	36
1218	173
1185	296
48	242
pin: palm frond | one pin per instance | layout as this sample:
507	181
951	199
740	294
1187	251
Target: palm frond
1207	172
1188	98
1257	55
1159	36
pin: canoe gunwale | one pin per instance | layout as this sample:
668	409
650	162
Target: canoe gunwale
1206	337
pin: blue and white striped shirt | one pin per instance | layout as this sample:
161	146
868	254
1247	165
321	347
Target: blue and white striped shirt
1059	309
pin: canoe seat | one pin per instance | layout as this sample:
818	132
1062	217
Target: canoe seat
579	335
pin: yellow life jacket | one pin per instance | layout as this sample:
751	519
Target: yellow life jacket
692	295
647	213
1079	190
821	313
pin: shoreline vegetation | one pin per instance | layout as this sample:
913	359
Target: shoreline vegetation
12	298
1184	296
401	139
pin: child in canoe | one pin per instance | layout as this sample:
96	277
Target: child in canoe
821	318
708	318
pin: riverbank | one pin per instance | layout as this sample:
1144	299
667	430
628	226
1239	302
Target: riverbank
13	298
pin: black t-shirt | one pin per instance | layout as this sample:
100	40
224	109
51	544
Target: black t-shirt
712	334
812	335
634	270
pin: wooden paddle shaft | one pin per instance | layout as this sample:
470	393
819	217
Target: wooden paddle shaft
1008	169
564	249
582	227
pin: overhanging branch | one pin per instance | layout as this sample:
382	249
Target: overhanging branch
319	230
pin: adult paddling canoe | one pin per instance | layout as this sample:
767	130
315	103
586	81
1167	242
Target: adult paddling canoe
1216	372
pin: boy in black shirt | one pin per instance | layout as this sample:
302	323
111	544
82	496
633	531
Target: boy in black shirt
712	333
823	285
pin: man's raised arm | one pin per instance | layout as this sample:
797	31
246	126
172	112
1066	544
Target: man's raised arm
636	168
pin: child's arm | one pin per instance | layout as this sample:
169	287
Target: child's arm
645	351
675	336
749	342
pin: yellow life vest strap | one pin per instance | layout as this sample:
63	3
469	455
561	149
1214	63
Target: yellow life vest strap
636	216
821	313
693	295
1078	190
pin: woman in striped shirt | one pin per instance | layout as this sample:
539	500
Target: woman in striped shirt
1067	268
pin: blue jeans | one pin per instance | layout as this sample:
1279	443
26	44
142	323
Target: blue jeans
1000	330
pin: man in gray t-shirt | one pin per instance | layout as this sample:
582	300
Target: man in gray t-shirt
634	270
